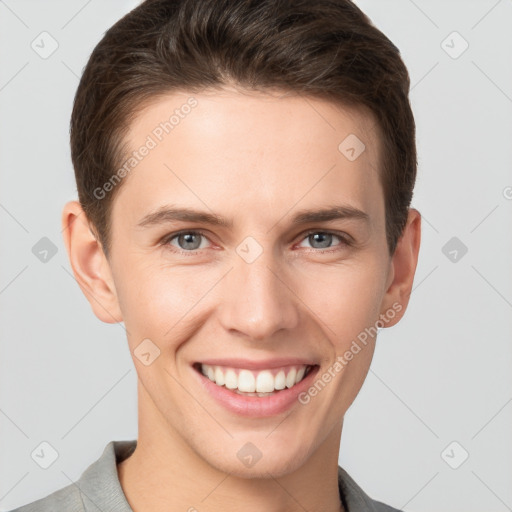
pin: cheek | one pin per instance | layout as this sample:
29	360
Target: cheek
157	300
346	298
167	303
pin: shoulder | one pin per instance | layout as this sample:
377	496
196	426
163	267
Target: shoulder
68	498
382	507
355	499
97	488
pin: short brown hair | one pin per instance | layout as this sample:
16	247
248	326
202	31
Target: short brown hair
327	49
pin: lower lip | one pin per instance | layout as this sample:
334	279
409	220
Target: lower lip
254	406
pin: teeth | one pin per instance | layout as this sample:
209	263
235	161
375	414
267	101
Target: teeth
251	383
219	376
230	380
264	382
290	378
280	380
252	394
246	382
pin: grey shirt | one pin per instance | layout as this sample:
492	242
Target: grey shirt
99	490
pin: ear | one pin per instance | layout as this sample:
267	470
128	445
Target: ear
90	266
402	269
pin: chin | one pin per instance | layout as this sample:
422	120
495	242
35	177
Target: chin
248	461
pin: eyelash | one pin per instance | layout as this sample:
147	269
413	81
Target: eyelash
345	241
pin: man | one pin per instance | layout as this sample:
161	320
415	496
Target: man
244	172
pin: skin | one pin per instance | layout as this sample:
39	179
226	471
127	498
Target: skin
255	159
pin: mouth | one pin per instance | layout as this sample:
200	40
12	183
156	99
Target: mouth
255	383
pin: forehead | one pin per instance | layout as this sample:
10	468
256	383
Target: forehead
250	152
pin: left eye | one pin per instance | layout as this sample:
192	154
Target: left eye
323	239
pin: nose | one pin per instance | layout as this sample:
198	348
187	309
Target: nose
257	299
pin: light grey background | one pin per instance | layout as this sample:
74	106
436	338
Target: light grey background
441	375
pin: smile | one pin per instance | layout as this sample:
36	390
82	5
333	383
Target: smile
255	383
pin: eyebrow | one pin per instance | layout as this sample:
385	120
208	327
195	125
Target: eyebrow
168	214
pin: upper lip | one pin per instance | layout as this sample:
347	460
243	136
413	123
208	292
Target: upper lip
251	364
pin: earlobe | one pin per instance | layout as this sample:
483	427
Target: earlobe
403	269
89	264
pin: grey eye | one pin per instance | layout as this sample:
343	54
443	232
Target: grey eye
321	240
189	241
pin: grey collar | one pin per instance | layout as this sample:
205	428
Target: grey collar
101	490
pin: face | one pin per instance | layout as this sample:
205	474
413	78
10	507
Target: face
222	265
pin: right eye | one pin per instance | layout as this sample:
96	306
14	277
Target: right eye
187	241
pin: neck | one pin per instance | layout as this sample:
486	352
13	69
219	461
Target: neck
165	473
